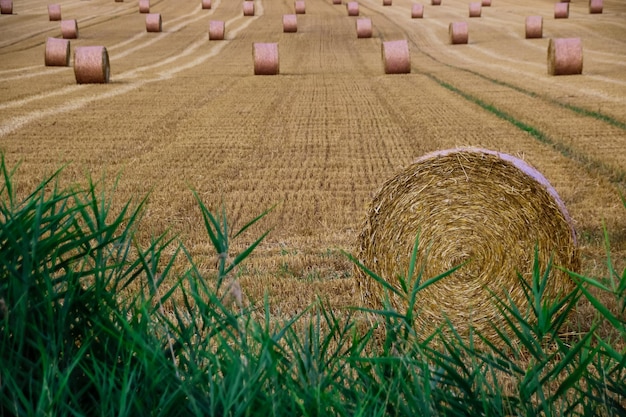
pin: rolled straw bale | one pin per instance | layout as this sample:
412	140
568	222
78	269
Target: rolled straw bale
300	7
57	52
216	30
565	56
336	1
265	57
144	6
486	3
6	6
435	2
417	11
475	9
457	32
364	27
483	209
69	29
595	6
353	8
248	8
154	22
396	58
561	10
534	27
54	12
91	64
290	23
387	2
206	4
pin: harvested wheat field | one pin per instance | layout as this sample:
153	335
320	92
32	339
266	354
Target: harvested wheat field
317	140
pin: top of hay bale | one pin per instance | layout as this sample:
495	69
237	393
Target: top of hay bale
475	206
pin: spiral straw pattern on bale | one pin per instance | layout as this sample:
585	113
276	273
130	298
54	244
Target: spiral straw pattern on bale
458	33
206	4
417	11
565	56
396	58
6	6
265	56
54	12
144	6
596	6
57	52
290	23
69	29
364	27
217	29
91	65
561	10
534	27
484	209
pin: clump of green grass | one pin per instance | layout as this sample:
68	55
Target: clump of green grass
88	326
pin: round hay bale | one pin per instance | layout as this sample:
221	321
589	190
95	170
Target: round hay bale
154	22
336	1
216	30
265	57
353	8
54	12
435	2
290	23
364	27
475	9
57	52
206	4
595	6
248	8
300	7
144	6
387	2
396	58
458	33
91	65
6	6
561	10
565	56
486	3
534	27
69	29
417	11
483	209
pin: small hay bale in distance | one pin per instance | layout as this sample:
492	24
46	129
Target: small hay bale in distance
54	12
6	6
486	3
144	6
561	10
57	52
595	6
290	23
69	29
248	8
265	56
154	23
91	65
216	30
534	27
353	8
417	11
458	33
435	2
336	2
475	9
299	7
364	28
484	209
565	56
396	57
387	2
206	4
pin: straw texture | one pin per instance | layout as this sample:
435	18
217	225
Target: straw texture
6	6
475	9
248	8
486	209
353	8
457	32
69	29
534	27
417	11
154	22
57	52
364	27
265	57
561	10
144	6
91	64
290	23
595	6
396	58
216	30
54	12
206	4
565	56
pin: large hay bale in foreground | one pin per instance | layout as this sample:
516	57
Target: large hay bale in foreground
466	205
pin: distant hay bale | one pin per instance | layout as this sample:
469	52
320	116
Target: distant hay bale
54	12
248	8
396	58
265	56
435	2
561	10
353	8
486	3
364	27
6	6
290	23
91	65
565	56
534	27
216	30
336	2
144	6
475	9
57	52
206	4
69	29
458	33
483	209
595	6
387	2
299	7
154	22
417	11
